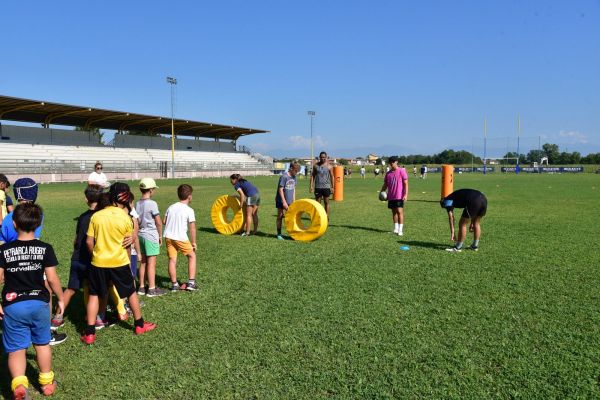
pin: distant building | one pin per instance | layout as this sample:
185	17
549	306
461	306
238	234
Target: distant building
372	158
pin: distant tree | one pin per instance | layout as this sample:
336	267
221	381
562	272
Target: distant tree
96	131
551	151
535	155
511	156
343	161
592	158
378	161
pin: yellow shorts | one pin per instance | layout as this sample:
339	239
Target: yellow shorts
177	246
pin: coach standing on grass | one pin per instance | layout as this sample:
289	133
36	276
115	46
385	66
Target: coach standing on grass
321	180
475	206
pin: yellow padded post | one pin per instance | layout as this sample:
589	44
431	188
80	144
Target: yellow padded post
218	215
318	220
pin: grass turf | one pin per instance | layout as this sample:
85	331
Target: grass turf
351	315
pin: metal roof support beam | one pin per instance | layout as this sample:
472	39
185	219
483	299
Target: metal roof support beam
141	121
154	128
52	117
88	124
2	112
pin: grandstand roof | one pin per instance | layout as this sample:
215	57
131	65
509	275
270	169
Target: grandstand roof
46	113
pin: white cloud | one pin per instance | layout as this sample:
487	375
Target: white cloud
574	136
261	147
301	142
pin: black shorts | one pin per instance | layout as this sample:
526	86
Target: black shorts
322	192
395	204
100	279
476	208
77	274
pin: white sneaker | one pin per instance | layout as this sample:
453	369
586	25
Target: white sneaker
454	250
400	233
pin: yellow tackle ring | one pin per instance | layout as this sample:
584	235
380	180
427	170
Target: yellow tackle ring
218	215
318	220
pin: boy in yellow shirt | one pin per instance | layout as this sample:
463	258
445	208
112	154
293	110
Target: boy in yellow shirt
110	261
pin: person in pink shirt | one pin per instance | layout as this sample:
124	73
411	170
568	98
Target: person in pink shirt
396	184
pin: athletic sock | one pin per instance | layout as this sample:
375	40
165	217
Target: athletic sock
139	322
46	378
396	227
475	243
90	330
400	227
152	288
191	281
18	381
459	245
278	232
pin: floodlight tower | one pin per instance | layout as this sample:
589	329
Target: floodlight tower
518	169
172	81
311	114
484	145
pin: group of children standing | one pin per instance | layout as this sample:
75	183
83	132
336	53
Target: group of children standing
100	264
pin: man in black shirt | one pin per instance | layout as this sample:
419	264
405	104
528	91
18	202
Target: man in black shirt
474	204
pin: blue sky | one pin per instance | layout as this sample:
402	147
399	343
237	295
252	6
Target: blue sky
384	77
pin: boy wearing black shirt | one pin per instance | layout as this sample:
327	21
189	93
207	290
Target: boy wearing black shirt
25	298
81	258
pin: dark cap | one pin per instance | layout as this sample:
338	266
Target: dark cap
25	189
393	159
4	179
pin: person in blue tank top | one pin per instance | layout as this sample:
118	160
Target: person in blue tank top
250	199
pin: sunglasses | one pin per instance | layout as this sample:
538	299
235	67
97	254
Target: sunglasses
98	167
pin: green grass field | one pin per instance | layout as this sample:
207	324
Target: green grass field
351	316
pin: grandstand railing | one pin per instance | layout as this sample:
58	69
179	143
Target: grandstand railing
78	171
74	166
261	158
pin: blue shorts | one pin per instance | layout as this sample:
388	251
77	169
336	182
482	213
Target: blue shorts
78	273
25	323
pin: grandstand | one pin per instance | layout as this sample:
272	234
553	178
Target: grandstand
62	155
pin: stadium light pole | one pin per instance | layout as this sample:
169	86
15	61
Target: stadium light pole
311	114
172	81
484	146
518	168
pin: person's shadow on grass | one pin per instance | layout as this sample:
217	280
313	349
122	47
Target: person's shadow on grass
363	228
208	230
428	245
215	232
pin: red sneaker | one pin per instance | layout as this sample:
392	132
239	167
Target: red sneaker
49	389
148	326
88	339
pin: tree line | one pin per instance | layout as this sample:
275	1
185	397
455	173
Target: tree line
549	150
